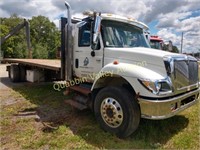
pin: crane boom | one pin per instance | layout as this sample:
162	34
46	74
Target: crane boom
15	30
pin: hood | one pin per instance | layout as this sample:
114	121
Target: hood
138	54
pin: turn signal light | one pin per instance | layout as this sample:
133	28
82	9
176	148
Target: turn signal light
116	62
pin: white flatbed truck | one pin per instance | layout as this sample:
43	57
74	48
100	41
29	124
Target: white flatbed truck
123	78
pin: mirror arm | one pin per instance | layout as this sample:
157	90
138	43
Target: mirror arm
95	30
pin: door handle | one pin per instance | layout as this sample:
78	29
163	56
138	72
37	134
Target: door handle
98	59
76	63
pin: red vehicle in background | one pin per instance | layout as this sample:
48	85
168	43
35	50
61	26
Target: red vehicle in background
156	42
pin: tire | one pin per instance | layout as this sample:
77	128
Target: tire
9	74
14	73
117	111
22	71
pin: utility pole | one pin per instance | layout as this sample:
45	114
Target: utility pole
182	42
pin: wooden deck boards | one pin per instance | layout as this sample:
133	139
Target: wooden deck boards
52	64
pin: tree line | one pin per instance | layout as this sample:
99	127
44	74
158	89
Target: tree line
45	38
174	49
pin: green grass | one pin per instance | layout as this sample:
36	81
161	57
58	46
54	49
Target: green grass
79	130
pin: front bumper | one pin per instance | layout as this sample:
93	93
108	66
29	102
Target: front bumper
165	108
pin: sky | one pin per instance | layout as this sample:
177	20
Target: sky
165	18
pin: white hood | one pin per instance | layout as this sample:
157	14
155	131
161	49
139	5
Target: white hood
138	54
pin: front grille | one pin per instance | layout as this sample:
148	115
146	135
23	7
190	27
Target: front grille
185	73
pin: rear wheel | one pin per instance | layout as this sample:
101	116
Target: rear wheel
117	111
22	70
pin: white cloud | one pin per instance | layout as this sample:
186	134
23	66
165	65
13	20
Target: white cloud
3	13
173	17
57	22
168	34
190	24
190	38
191	31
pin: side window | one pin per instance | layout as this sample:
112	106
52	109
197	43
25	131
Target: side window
84	35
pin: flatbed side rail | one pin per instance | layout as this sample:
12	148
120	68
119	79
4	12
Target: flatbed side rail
51	64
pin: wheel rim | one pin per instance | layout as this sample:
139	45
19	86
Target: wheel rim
111	112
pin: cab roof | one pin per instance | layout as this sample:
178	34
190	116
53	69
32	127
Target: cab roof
108	16
129	20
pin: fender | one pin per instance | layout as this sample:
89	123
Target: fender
131	73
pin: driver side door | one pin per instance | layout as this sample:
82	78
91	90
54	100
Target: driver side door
86	65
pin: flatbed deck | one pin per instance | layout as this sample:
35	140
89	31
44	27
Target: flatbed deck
52	64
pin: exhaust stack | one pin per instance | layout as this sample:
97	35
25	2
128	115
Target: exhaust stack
68	13
68	45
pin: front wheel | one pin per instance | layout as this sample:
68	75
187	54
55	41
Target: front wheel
117	111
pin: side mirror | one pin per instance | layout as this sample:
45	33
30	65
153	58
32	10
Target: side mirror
96	30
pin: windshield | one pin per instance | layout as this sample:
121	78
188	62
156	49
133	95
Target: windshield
118	34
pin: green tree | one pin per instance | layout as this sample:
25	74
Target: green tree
45	38
175	49
45	33
7	24
20	51
40	51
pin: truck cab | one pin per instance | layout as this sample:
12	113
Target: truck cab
156	42
116	37
127	79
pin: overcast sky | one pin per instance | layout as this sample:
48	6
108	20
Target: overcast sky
166	18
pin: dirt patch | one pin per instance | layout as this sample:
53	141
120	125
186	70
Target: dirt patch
7	98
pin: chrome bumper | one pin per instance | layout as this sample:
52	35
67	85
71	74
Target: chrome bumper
165	108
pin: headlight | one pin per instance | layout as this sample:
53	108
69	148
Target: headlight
159	87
